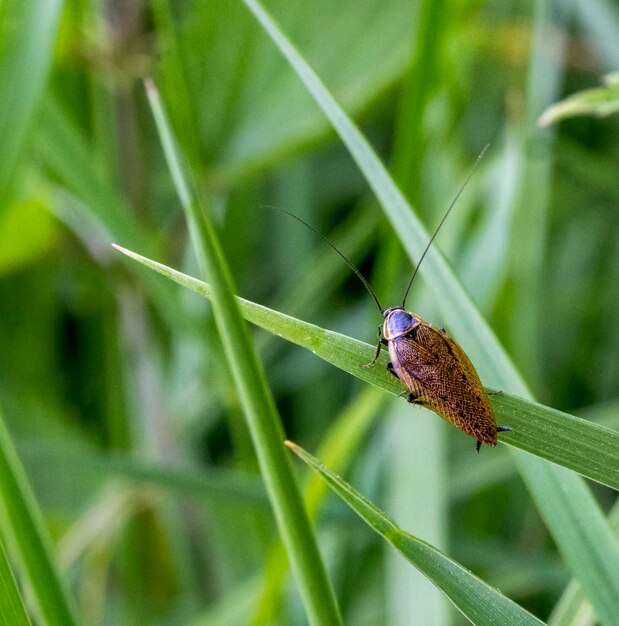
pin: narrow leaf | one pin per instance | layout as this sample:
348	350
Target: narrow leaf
479	602
577	444
599	102
22	526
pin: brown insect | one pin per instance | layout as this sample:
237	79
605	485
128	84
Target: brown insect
438	374
435	370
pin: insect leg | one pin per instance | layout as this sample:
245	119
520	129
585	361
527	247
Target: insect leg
502	429
414	399
478	446
391	369
381	342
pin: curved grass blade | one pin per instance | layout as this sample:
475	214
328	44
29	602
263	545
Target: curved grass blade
22	525
598	102
255	395
12	610
582	534
479	602
587	448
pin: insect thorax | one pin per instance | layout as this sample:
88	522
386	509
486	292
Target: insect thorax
398	322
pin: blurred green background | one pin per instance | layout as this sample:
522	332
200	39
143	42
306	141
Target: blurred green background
113	383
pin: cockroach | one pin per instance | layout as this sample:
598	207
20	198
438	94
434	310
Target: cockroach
435	370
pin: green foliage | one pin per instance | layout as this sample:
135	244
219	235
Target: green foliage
12	610
600	102
131	402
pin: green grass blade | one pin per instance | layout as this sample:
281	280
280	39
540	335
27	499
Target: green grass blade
574	609
339	447
582	534
598	102
587	448
479	602
27	41
24	530
12	610
255	395
557	436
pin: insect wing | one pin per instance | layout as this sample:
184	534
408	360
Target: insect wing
437	370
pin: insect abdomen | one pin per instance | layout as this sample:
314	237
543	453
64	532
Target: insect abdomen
441	377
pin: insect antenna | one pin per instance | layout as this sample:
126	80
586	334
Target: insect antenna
350	264
451	206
